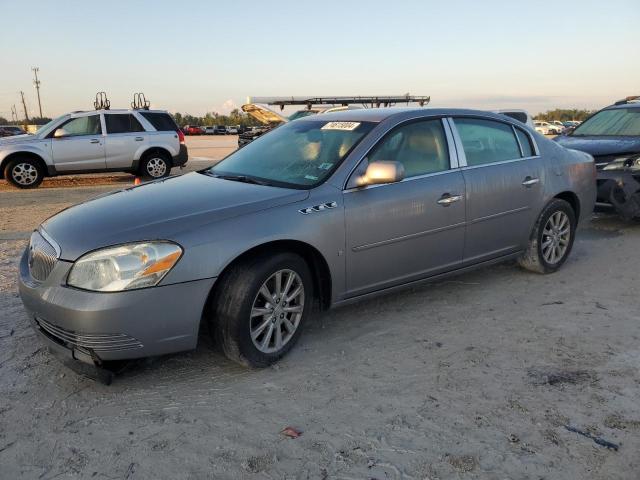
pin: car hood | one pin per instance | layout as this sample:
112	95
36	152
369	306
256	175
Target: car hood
17	139
263	114
159	210
601	146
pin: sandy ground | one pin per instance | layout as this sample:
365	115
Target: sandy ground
476	377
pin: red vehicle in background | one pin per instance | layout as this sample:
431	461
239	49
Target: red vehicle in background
192	130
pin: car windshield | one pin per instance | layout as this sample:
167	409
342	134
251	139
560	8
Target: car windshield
299	154
616	122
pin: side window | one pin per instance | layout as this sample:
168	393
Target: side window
160	121
525	143
420	146
122	123
486	141
89	125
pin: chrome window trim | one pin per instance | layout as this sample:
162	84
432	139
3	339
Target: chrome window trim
462	157
453	160
501	162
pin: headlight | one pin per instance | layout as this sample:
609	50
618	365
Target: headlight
125	267
632	163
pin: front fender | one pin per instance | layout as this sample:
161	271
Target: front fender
42	150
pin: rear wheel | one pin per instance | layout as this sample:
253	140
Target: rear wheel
24	172
552	238
260	307
155	165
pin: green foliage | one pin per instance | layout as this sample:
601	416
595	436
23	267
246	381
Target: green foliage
235	117
564	115
3	121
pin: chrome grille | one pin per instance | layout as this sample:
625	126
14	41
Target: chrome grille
42	257
99	342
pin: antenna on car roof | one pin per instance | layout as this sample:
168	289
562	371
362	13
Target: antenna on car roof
102	102
140	102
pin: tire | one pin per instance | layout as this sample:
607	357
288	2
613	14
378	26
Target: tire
24	172
548	247
155	165
241	294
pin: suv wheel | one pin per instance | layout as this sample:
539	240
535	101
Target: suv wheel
24	172
552	238
155	165
258	312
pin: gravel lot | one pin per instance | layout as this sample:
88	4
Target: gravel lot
475	377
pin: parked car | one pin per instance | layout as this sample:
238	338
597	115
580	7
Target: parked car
221	130
521	115
304	217
251	134
231	130
142	142
11	130
209	130
193	130
546	128
559	125
612	136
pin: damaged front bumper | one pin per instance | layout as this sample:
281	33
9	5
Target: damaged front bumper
620	188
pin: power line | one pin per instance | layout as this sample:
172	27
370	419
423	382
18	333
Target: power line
36	83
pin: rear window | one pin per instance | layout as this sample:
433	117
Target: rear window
525	143
122	123
160	121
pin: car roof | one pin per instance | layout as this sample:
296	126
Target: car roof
380	114
623	105
114	110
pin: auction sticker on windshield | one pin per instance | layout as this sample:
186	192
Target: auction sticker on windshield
341	126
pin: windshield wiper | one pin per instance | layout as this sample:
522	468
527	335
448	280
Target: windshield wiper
238	178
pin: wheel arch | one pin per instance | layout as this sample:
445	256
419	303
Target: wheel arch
137	163
318	266
26	153
572	199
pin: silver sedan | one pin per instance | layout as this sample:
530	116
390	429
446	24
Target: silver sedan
316	213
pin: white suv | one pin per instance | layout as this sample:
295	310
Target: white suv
142	142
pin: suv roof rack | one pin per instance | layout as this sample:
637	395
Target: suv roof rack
630	99
140	102
102	102
373	101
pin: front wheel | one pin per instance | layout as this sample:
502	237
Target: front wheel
552	238
24	172
260	307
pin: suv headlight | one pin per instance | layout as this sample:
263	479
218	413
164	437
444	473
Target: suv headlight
631	162
125	267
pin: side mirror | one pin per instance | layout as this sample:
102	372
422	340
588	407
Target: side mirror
60	132
382	172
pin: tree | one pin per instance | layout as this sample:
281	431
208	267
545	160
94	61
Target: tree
564	115
3	121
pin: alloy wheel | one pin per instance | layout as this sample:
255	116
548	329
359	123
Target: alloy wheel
24	174
556	237
156	167
276	311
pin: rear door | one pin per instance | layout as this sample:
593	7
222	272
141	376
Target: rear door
82	146
503	176
404	231
124	137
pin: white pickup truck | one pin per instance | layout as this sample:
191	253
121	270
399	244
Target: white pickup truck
141	142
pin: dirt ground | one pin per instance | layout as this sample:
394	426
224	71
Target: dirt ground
480	377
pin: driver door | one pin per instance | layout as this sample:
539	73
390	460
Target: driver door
412	229
81	147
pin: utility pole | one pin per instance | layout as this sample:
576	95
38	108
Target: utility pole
36	83
24	105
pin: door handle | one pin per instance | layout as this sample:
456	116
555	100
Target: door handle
530	181
94	140
448	199
139	139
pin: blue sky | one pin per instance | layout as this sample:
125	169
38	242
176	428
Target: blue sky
209	56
